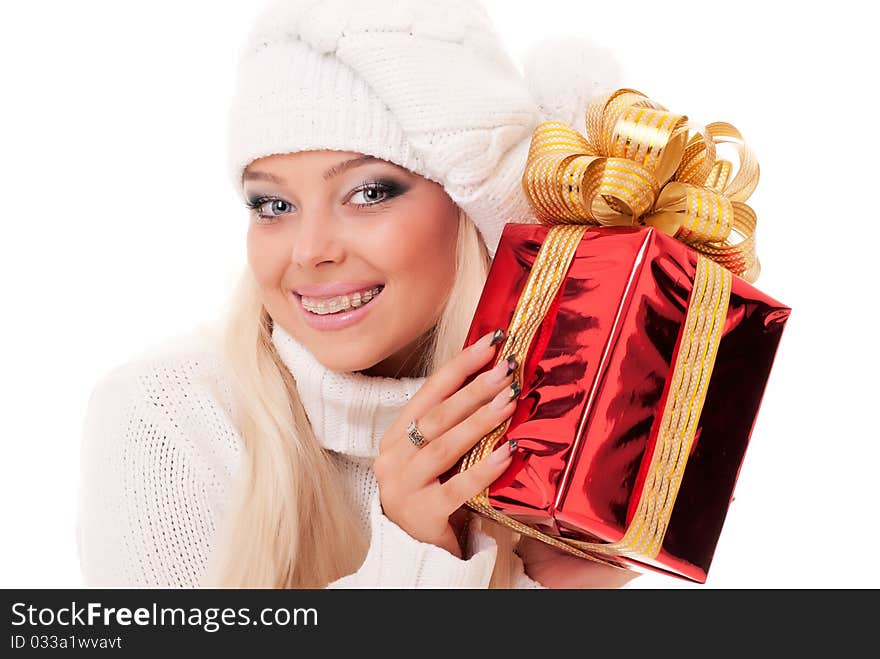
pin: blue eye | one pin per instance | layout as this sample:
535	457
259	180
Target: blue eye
375	192
268	207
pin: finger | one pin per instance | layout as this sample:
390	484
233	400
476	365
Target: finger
467	401
440	455
450	376
444	382
466	485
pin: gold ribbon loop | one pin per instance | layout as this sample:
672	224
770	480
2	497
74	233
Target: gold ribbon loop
741	256
698	156
700	214
616	189
653	138
746	179
640	164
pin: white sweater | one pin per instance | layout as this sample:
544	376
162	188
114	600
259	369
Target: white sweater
160	451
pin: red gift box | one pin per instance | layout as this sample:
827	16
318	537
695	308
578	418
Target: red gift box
594	382
643	348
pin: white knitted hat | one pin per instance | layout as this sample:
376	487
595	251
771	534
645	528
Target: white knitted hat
420	83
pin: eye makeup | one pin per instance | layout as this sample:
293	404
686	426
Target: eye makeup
374	191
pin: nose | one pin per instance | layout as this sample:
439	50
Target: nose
318	239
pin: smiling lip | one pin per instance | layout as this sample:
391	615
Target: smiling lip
326	291
335	321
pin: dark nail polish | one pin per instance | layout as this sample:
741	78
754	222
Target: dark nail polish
514	389
512	445
511	365
497	337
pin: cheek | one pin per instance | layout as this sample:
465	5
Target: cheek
423	259
265	260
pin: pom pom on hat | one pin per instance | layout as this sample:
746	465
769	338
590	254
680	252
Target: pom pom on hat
565	74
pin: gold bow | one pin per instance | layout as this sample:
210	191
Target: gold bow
641	164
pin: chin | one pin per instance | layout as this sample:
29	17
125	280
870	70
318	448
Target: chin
343	360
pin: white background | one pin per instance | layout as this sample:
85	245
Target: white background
119	228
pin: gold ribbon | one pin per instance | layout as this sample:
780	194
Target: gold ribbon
640	166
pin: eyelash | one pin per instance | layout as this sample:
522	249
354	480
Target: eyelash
390	188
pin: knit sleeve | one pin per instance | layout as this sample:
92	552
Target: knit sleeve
397	560
522	580
519	578
145	518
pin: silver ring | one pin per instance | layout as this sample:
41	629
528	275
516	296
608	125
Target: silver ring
415	435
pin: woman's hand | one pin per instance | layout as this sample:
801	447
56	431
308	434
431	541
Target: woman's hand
452	420
554	568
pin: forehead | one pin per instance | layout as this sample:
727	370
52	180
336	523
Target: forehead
278	167
316	156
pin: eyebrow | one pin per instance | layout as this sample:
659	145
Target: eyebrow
345	165
336	170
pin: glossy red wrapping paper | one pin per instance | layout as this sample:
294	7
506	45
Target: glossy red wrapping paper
593	390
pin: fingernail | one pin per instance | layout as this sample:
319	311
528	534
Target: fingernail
503	369
514	390
497	337
512	445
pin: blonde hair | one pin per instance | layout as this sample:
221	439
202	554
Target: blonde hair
289	524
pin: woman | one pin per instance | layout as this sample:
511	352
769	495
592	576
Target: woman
379	151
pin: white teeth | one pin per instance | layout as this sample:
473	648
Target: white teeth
341	303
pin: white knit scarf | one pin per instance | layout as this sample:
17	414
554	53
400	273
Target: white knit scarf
349	412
